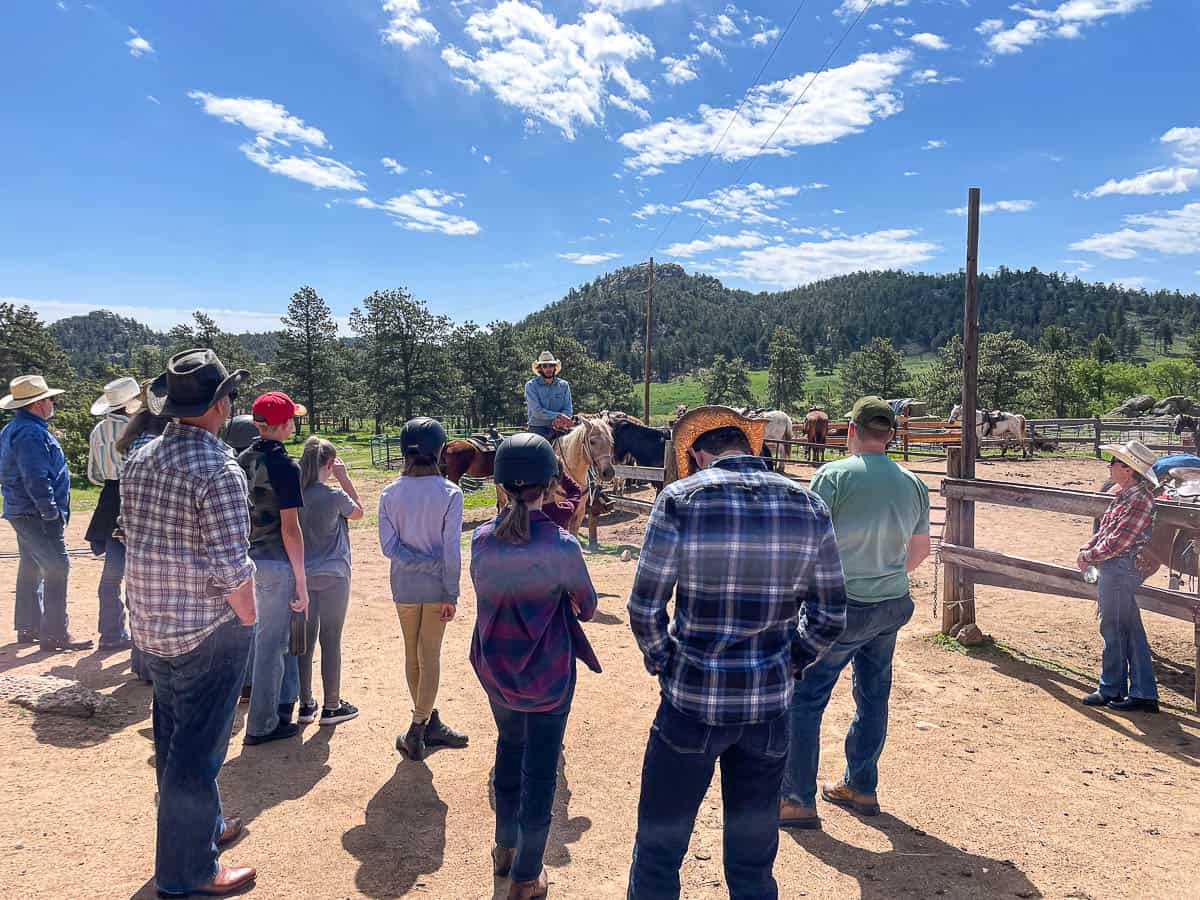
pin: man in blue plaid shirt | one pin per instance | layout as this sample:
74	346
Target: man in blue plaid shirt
751	559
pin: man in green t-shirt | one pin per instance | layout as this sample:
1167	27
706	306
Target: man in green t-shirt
881	518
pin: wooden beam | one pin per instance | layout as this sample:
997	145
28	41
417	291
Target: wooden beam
639	473
1061	500
629	504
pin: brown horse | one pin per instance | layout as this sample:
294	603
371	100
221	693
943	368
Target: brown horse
467	457
816	428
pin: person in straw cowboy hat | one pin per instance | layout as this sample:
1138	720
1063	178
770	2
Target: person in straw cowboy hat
759	596
1126	672
548	398
37	503
120	400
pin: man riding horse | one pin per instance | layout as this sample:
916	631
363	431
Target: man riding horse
548	399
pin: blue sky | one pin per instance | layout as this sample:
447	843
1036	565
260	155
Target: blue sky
161	157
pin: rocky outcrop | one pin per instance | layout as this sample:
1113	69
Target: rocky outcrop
1176	406
1134	406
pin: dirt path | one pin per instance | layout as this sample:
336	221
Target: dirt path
995	782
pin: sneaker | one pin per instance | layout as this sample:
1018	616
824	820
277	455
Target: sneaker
282	730
438	734
1098	699
308	713
343	713
1135	704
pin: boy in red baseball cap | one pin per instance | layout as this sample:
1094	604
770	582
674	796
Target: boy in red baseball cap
277	548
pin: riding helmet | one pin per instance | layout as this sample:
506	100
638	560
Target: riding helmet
241	432
422	436
524	460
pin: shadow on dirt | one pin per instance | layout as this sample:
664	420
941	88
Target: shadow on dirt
916	865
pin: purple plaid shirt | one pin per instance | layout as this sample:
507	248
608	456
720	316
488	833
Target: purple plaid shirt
185	515
526	634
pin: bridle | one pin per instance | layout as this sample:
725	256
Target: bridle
594	463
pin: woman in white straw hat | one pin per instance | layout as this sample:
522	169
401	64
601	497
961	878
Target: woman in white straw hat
548	398
120	400
37	503
1127	672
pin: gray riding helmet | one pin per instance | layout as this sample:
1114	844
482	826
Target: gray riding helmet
241	432
524	460
422	436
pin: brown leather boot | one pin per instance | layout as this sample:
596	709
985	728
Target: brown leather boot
529	890
412	744
793	815
844	795
502	860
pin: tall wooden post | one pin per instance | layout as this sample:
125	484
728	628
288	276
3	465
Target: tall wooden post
951	595
649	329
1097	428
965	531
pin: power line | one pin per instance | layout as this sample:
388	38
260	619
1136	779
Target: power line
746	96
754	156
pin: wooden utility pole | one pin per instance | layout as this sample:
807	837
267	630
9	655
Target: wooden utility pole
649	326
965	531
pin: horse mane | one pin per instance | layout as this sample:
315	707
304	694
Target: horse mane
570	447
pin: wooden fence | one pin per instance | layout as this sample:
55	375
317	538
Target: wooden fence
967	566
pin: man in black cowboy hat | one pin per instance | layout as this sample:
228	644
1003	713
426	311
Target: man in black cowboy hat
191	592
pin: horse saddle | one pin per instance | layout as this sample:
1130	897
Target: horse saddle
483	443
1187	482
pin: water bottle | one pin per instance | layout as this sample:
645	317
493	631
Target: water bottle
297	639
1091	575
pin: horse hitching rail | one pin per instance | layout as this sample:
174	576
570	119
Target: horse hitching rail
968	565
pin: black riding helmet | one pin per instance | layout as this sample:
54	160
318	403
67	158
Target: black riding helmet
241	432
525	460
422	436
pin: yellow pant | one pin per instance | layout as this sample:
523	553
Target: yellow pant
423	628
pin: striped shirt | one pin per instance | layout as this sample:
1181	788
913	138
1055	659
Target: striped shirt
759	594
186	522
104	462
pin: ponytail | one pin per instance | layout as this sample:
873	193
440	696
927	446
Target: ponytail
513	527
316	455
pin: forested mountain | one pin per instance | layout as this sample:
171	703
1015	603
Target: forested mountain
696	317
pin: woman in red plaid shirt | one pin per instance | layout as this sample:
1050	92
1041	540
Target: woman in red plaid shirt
1126	673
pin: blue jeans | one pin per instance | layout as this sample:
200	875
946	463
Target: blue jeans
524	780
680	758
1126	667
43	571
868	644
274	588
194	699
112	610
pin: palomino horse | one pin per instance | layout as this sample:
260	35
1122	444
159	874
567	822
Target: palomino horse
589	445
995	424
816	429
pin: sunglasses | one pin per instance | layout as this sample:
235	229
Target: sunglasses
1117	462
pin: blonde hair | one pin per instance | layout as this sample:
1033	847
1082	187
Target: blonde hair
317	454
513	527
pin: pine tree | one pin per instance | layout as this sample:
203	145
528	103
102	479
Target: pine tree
304	360
788	368
876	369
28	348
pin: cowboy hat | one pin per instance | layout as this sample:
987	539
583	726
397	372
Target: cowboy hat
546	358
696	422
1137	456
27	389
122	393
194	381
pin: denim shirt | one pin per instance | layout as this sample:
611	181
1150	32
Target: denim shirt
546	401
33	470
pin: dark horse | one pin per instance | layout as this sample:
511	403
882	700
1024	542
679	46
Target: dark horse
1191	425
640	443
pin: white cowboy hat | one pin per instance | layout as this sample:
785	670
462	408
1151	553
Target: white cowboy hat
124	392
1137	456
546	358
27	389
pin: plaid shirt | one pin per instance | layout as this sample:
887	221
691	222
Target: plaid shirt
1126	527
186	521
759	592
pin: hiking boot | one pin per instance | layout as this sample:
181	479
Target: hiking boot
66	642
438	734
282	730
27	636
793	815
529	890
412	744
502	860
844	795
1095	698
1134	704
121	643
308	713
344	712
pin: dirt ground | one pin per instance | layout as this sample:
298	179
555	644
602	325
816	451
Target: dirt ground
996	782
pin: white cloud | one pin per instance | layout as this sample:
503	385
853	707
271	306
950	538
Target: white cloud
406	26
764	37
679	69
1155	181
843	101
1134	282
1066	21
603	220
520	264
270	121
561	74
319	171
934	145
487	158
703	245
138	45
393	166
654	209
704	48
424	210
750	204
1009	206
1187	143
851	8
1079	266
588	259
154	100
910	174
787	265
1174	232
623	6
932	76
930	41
